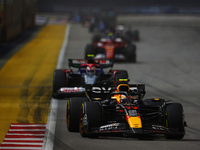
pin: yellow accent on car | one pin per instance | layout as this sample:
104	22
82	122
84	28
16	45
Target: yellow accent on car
113	97
156	99
83	108
134	122
122	85
90	55
123	80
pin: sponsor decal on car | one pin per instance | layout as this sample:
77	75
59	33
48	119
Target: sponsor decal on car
82	61
85	122
72	90
158	127
101	89
113	126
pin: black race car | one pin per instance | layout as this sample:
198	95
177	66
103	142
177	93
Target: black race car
89	72
121	109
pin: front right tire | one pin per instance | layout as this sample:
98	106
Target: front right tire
175	120
131	53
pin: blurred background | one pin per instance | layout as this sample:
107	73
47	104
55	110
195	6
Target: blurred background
168	58
120	6
19	15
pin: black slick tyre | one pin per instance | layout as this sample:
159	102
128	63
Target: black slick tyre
89	51
96	38
175	120
59	80
90	116
73	112
91	27
131	53
135	35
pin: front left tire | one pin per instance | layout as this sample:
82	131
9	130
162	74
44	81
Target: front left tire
59	80
90	116
73	112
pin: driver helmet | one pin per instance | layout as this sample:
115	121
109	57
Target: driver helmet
90	70
110	35
120	28
121	98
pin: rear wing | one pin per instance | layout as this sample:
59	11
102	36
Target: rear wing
101	90
90	91
95	90
77	62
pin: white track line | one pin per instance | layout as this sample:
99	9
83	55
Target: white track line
51	123
64	46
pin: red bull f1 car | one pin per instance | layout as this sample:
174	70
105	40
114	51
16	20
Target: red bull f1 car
122	109
88	72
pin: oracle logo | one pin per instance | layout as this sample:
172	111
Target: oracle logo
101	89
72	90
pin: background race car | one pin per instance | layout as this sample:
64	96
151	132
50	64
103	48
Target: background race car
88	72
112	47
108	21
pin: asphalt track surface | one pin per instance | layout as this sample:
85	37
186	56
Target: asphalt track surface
167	62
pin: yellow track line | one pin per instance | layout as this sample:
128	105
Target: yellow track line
26	79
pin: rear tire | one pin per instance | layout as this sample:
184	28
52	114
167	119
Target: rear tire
73	112
59	80
175	119
135	35
91	27
90	116
89	51
131	53
96	38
